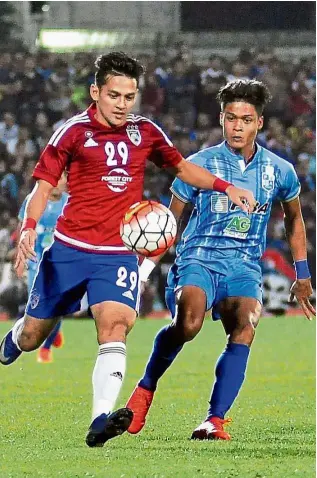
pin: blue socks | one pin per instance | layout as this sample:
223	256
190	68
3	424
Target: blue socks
163	354
230	372
50	339
230	369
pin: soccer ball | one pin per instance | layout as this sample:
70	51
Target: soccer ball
148	228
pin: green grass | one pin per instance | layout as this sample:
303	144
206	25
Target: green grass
45	409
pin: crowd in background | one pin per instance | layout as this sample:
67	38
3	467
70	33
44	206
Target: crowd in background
39	92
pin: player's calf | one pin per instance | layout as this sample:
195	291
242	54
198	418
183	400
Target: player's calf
34	332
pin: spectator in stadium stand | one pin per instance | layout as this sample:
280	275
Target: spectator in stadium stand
180	93
215	68
44	65
22	146
58	88
206	97
306	179
9	130
41	131
32	87
152	96
239	71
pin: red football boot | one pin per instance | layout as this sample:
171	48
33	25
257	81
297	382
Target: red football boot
139	402
212	429
44	355
59	340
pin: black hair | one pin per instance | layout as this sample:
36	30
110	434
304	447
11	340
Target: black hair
118	64
249	91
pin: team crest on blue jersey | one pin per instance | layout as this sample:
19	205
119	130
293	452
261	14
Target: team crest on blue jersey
134	134
268	177
219	203
34	299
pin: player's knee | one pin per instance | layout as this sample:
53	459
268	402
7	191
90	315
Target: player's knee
29	341
115	330
189	324
244	332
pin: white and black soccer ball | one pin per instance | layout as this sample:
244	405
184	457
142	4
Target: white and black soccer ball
275	293
148	228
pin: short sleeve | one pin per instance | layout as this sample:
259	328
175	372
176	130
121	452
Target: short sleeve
163	154
184	191
289	185
22	209
55	156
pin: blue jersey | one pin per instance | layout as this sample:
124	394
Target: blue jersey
218	229
46	225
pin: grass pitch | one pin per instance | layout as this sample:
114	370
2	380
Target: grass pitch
45	409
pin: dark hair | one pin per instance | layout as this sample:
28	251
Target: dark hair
118	64
249	91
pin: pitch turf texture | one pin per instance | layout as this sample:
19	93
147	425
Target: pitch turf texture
45	409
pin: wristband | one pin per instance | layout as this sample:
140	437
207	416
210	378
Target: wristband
220	185
145	269
302	270
28	223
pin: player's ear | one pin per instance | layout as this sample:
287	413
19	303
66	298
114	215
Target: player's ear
94	92
260	122
221	119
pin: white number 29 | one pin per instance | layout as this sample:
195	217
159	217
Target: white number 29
122	276
121	149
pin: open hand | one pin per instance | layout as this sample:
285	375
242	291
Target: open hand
25	250
302	290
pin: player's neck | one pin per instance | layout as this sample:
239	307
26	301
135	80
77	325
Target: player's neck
248	152
102	120
98	117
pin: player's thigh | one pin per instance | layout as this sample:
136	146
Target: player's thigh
114	279
192	287
190	312
240	294
191	303
35	331
239	313
113	321
59	284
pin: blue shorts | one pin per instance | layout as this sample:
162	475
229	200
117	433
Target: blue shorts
65	274
242	279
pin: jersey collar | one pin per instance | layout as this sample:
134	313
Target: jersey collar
238	156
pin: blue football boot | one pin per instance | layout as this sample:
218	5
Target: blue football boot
105	427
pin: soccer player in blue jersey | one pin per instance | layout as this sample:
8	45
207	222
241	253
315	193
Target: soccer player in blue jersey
217	261
45	232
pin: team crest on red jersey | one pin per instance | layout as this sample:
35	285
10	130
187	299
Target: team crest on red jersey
134	134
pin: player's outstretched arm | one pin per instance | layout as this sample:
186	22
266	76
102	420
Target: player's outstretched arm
200	178
177	208
35	207
296	237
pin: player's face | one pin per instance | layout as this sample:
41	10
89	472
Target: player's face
114	99
240	122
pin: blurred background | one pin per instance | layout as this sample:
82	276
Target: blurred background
190	49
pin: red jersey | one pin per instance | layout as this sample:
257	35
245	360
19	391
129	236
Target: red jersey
105	175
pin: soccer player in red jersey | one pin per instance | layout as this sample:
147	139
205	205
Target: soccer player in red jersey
104	150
